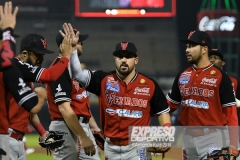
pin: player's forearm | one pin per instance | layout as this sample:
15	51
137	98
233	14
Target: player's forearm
41	93
35	122
164	119
80	75
71	119
54	72
92	124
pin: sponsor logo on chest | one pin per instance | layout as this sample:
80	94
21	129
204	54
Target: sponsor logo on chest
185	77
209	81
84	94
142	91
112	85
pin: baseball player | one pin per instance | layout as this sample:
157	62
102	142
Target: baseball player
206	96
126	98
32	49
70	110
217	58
11	79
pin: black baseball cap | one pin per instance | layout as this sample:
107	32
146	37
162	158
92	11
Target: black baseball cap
35	43
125	47
59	37
217	53
198	37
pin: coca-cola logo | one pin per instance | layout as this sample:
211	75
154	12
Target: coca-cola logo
142	91
209	80
224	23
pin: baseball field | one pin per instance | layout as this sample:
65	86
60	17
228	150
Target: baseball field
41	154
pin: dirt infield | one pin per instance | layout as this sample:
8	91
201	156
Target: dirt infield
174	153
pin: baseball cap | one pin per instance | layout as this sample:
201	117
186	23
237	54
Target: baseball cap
198	37
59	37
217	53
126	47
35	43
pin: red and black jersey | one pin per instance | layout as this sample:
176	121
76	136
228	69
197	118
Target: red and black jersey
65	89
11	81
19	118
7	48
38	74
202	92
236	86
123	105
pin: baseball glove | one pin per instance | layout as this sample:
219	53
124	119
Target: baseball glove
226	153
157	150
53	141
99	138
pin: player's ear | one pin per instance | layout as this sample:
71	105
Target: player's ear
136	60
223	63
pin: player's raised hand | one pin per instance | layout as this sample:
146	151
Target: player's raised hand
66	46
67	27
7	17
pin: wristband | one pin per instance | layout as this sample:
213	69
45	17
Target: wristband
167	125
39	128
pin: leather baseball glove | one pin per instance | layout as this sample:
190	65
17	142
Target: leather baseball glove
99	138
226	153
157	150
53	141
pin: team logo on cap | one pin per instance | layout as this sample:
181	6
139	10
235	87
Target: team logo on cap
190	34
124	45
44	42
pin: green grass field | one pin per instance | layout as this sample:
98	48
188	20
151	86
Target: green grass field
41	154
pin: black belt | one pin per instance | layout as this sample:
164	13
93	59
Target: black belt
85	119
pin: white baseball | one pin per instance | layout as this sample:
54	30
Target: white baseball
50	140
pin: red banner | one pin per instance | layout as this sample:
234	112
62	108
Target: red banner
219	23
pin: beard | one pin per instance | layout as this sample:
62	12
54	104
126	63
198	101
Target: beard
126	71
29	61
38	63
196	59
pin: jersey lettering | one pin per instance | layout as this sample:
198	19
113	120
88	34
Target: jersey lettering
125	113
127	101
197	92
195	103
24	88
76	84
7	54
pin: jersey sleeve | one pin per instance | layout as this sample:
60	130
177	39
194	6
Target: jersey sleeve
62	88
158	102
22	93
7	50
30	73
174	95
226	91
94	85
238	90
